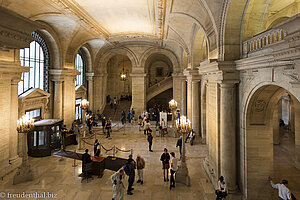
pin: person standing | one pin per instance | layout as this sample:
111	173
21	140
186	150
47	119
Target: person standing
129	169
129	117
115	103
179	145
108	127
174	168
283	190
118	186
86	158
123	119
140	165
163	127
147	126
140	123
149	139
103	124
165	159
221	190
96	144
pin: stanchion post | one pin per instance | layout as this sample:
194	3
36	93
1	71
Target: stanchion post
114	153
61	150
131	151
74	163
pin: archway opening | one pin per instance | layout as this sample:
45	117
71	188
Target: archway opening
272	141
116	86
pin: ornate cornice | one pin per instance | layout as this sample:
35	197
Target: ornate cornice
15	30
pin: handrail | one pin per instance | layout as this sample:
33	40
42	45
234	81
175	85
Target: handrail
166	79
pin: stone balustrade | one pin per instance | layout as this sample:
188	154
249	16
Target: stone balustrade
262	41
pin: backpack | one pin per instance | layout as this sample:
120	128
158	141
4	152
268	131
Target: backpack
126	169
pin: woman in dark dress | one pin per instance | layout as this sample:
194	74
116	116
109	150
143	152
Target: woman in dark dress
165	159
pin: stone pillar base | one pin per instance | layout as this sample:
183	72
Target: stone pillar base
182	175
23	174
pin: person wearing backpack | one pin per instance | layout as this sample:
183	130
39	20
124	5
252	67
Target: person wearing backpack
140	165
129	169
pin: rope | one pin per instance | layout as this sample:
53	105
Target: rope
122	150
107	150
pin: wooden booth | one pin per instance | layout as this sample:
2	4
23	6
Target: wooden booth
45	137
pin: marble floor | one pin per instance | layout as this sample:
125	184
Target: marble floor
61	180
284	157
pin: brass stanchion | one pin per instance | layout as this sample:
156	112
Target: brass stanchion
74	162
114	153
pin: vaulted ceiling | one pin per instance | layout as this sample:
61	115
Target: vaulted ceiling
172	22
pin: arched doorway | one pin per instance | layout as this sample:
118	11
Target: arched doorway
159	83
271	146
117	87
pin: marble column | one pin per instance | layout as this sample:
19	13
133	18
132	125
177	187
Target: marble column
228	134
203	110
138	92
177	88
13	134
90	90
195	107
207	114
69	99
189	99
57	99
183	96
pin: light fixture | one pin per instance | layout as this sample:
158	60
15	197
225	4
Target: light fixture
123	74
84	104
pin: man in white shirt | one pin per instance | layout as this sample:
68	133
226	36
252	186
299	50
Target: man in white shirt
118	186
174	168
283	191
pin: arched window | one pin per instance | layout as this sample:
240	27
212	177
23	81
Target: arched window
36	57
80	66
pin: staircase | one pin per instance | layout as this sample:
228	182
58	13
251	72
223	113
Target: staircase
159	87
116	115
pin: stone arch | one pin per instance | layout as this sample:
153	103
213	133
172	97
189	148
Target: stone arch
258	121
229	30
88	58
50	36
102	59
170	55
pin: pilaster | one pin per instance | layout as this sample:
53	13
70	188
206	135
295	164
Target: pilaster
138	90
193	93
90	89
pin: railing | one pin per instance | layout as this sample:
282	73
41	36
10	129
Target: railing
165	80
263	40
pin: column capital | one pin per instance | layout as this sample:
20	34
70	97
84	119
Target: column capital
228	83
89	76
192	74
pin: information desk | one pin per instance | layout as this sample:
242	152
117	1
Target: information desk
98	163
46	136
